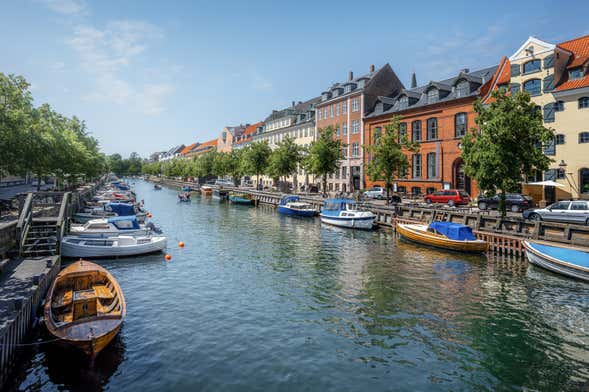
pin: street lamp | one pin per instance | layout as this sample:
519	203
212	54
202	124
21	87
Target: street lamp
562	167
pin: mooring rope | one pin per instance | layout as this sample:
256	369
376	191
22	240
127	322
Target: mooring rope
30	344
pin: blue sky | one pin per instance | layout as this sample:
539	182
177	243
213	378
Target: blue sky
147	75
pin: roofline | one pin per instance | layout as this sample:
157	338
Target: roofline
429	107
534	40
572	39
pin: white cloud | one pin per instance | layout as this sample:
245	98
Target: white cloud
107	54
67	7
261	83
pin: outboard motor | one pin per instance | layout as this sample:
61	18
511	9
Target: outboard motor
153	228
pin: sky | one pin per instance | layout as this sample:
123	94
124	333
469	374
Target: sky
149	75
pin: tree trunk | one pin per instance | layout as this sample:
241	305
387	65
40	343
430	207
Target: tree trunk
388	187
38	182
324	180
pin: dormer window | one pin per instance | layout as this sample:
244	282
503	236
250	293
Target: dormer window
403	101
576	73
361	83
432	95
532	66
348	88
462	88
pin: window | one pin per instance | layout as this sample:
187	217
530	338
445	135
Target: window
337	130
560	174
402	131
584	137
344	129
355	150
345	151
561	205
355	106
550	147
560	139
325	113
401	189
460	125
344	107
402	173
331	110
549	112
416	131
576	73
355	126
514	88
319	114
432	95
416	191
377	133
431	165
432	128
532	86
344	172
347	88
532	66
416	166
583	102
403	102
462	88
559	106
337	108
579	206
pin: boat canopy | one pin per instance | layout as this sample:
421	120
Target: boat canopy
453	231
289	199
121	209
125	222
338	204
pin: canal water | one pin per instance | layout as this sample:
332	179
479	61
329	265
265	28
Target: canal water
261	302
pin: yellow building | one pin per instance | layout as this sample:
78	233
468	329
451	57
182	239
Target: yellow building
544	71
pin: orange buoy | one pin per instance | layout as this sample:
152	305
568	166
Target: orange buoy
168	257
149	215
181	244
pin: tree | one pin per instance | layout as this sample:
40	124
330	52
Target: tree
507	146
255	159
324	155
235	166
386	157
284	160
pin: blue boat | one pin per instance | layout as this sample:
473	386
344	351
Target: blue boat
241	198
187	189
292	205
344	213
566	260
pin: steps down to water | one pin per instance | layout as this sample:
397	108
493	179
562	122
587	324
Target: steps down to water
41	239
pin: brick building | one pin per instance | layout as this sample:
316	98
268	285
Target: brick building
343	106
437	115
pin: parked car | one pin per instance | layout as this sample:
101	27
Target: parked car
376	192
513	201
453	197
567	211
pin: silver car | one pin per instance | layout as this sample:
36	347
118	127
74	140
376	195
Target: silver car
576	211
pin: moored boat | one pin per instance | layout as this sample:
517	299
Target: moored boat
184	197
85	307
187	189
126	225
240	198
445	235
220	194
292	205
344	213
206	190
566	260
157	187
112	246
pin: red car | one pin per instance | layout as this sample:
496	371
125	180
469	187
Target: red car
453	197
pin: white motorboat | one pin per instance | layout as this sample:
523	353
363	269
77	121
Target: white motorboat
114	246
109	210
118	225
344	213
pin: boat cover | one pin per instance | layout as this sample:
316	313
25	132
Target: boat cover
338	204
121	209
289	199
453	231
572	256
124	222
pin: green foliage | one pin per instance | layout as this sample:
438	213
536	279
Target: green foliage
256	158
507	146
285	159
324	155
386	155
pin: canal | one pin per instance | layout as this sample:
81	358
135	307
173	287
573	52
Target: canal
261	302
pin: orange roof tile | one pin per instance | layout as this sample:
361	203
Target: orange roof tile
248	133
187	149
502	75
579	48
212	143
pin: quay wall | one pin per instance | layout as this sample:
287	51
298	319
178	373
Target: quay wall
505	236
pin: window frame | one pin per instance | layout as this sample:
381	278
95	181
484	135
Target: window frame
533	94
431	133
416	166
460	92
456	124
432	167
583	137
583	102
534	61
416	131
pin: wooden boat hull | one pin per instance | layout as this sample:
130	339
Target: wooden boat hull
90	334
363	223
419	234
554	264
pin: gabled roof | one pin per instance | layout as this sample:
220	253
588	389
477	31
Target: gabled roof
501	76
579	50
249	132
531	41
189	148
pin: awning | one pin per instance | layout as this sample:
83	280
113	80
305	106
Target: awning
546	183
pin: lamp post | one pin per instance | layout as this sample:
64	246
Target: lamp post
562	166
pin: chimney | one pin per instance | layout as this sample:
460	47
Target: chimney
293	103
465	70
413	80
371	68
351	77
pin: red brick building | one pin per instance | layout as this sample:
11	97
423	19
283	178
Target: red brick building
437	115
343	106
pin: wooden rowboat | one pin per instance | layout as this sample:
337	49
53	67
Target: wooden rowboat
206	190
566	260
423	234
85	307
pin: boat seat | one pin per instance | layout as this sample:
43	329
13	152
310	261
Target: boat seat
108	309
63	299
66	317
103	292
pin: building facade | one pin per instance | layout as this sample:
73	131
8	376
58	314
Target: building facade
246	137
437	115
343	107
227	137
